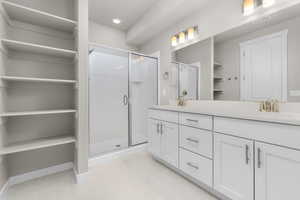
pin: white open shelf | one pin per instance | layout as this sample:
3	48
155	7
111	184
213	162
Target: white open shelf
27	79
216	64
36	144
218	91
38	49
41	112
218	78
36	17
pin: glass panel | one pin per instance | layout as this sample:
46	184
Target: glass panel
174	82
188	78
143	94
108	100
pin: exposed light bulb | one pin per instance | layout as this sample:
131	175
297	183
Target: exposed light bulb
174	41
116	21
248	6
268	3
181	37
191	33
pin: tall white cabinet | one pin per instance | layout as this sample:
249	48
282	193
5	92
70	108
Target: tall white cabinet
42	84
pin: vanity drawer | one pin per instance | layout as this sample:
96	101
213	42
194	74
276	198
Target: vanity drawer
280	134
196	166
168	116
196	120
196	140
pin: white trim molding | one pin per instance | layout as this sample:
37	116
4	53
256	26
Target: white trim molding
34	175
115	155
3	190
39	173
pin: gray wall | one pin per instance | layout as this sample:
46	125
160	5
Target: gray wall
200	52
228	53
108	36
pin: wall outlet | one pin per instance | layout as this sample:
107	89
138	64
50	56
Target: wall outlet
295	93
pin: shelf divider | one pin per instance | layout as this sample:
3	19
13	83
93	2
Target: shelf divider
41	112
29	79
37	17
38	49
36	144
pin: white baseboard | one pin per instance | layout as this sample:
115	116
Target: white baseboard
114	155
79	178
4	189
39	173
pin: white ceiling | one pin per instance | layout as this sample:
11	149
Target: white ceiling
129	11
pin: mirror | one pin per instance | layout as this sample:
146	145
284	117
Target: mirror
254	62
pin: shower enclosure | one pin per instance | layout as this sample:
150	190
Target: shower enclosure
122	85
184	77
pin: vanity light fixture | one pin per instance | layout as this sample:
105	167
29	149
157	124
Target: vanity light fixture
248	7
184	36
268	3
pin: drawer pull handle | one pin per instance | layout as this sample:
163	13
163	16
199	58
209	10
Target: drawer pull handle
192	140
192	120
192	165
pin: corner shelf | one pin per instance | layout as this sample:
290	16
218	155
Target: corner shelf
218	91
36	144
216	64
36	17
218	79
38	49
41	112
27	79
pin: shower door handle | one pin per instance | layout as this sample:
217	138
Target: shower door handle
125	100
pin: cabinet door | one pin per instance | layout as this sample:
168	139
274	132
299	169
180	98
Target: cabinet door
277	173
169	143
154	137
233	167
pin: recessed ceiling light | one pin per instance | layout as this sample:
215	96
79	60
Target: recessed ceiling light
116	21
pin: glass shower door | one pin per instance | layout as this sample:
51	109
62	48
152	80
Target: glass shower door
143	94
108	100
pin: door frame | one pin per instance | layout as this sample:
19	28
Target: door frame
284	36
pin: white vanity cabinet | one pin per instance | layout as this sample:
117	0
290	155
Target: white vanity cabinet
274	168
233	167
163	136
277	173
233	158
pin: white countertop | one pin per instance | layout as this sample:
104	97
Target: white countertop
232	112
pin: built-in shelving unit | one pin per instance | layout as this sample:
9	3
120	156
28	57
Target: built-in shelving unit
37	17
218	79
38	39
38	49
36	144
40	112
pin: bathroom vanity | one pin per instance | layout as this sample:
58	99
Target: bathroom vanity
232	154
